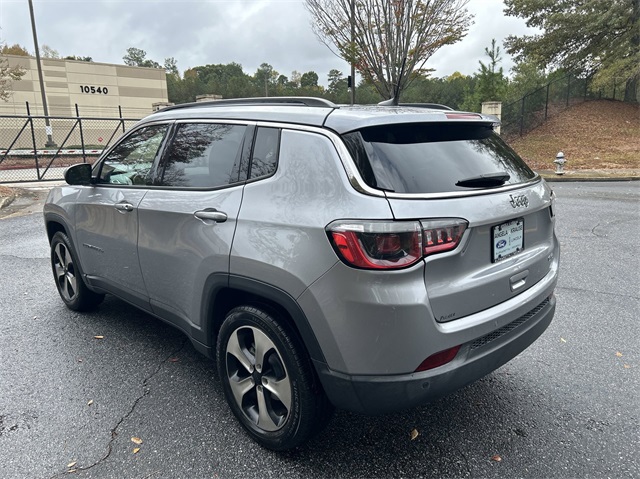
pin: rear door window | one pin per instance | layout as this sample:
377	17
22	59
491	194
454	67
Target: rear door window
435	158
203	155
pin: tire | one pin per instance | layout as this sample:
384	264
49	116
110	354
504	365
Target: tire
66	272
269	381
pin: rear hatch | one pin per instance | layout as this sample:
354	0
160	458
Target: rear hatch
444	172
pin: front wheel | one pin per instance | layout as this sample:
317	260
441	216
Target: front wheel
71	287
268	379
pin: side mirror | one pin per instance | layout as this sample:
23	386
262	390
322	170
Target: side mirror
79	174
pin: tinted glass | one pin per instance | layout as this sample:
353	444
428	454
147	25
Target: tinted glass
265	152
203	155
130	162
432	157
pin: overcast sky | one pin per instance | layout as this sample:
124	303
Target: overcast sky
249	32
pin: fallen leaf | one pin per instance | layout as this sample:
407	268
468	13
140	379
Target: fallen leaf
136	440
90	402
496	458
79	360
98	337
71	464
414	434
619	354
174	360
35	317
626	366
70	471
136	450
563	340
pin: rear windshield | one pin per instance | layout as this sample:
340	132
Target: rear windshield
435	158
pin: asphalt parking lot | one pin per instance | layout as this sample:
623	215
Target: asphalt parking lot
76	388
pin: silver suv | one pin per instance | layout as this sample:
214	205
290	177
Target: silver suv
368	258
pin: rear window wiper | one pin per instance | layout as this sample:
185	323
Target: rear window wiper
485	181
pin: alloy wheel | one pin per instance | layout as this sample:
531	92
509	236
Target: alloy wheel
65	272
258	378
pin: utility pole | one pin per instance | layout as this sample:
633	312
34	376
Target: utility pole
48	128
353	67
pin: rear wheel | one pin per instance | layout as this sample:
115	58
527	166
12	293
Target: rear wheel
268	379
72	289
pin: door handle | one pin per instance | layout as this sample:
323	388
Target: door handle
211	214
124	207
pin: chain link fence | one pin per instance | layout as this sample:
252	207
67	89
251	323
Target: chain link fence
39	148
536	107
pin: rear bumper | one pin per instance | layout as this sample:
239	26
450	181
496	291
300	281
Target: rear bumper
477	358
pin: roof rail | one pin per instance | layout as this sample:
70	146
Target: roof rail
433	106
271	100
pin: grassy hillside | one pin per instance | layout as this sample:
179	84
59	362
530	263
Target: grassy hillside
598	135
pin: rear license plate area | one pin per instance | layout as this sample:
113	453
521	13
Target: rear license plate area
507	239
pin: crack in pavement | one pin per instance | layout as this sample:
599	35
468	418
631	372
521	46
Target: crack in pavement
582	290
24	257
114	431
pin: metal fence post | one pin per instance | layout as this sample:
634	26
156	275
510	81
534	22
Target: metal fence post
546	102
121	119
33	139
84	155
614	88
586	84
522	116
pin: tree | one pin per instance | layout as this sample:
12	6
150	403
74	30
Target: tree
264	77
136	57
491	84
448	91
309	80
392	38
7	75
47	52
171	66
295	79
337	88
78	58
595	36
527	77
14	49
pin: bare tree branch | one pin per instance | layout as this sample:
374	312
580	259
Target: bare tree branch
386	33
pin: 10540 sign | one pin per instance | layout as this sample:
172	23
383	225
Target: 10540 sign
92	89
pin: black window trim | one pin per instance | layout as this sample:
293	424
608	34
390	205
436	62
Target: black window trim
255	136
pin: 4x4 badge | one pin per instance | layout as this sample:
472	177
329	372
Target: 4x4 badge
519	201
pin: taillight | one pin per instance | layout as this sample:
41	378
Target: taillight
442	235
393	244
377	244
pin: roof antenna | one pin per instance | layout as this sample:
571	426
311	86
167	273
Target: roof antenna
393	101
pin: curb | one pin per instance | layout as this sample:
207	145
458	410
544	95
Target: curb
629	174
574	179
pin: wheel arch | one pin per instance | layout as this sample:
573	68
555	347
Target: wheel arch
55	223
224	292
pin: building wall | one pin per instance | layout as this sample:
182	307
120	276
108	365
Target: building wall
97	88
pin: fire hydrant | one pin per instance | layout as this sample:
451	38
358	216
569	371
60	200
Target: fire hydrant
560	161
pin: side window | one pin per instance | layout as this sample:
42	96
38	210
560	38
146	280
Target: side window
265	152
203	155
130	162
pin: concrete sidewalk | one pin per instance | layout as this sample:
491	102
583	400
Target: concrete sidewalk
628	174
